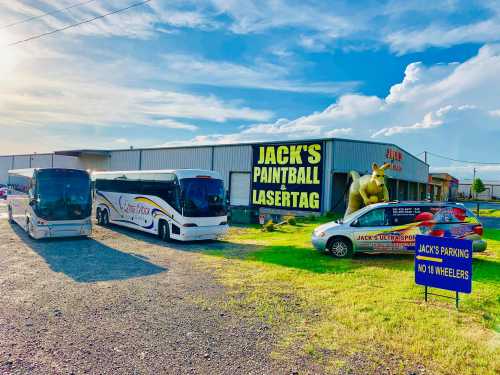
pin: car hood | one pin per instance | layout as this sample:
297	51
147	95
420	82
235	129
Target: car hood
327	226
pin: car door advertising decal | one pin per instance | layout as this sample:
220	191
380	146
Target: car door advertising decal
288	176
406	222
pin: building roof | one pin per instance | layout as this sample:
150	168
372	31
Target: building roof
83	152
107	152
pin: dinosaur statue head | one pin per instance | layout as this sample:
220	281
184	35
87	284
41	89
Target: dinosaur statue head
378	173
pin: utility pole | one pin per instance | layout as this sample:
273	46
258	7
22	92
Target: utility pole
427	185
473	179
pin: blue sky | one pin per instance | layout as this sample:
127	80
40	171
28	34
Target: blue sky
177	72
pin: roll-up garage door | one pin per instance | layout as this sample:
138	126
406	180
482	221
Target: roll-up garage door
239	189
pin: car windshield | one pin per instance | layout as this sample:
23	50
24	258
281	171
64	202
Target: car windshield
355	214
203	197
63	195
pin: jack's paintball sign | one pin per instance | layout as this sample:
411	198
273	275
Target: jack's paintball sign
288	176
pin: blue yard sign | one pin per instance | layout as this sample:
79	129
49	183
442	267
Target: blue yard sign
443	262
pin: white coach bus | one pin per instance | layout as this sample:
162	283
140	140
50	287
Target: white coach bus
50	202
183	204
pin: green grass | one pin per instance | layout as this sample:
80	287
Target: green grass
368	305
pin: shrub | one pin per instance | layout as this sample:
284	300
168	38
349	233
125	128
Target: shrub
269	226
290	220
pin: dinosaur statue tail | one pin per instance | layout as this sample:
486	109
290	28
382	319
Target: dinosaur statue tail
354	175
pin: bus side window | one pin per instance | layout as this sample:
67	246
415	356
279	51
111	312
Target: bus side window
167	191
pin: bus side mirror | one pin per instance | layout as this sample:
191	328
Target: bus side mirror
33	202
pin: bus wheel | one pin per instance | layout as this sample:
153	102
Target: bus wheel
11	219
98	216
104	218
163	231
340	247
30	229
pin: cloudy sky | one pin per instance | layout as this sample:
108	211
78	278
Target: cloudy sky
222	71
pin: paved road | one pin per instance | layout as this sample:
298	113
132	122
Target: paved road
483	205
490	222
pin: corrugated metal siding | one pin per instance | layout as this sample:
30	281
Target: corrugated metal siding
177	158
5	165
125	160
232	159
22	161
41	161
327	176
359	156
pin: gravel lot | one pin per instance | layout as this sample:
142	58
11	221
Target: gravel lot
120	303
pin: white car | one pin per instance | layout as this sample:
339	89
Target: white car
392	227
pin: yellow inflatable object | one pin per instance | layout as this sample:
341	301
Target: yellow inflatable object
367	189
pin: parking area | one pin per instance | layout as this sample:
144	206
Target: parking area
119	303
124	302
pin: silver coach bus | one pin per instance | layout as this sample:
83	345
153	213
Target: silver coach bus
50	202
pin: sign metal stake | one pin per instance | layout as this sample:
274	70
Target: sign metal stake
427	294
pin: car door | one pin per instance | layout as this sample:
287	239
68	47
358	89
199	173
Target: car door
407	222
370	231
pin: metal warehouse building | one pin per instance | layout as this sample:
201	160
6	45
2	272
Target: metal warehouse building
407	176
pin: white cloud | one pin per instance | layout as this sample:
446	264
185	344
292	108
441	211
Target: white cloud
50	90
141	22
444	36
263	75
318	26
446	108
172	124
495	113
430	120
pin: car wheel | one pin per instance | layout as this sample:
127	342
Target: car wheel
340	248
104	218
163	231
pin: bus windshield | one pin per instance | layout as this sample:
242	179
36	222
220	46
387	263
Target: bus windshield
203	197
63	195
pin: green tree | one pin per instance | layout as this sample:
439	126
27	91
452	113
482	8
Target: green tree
478	186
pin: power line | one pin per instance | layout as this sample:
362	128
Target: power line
461	161
78	24
46	14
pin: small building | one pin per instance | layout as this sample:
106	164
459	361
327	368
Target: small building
492	191
443	187
324	173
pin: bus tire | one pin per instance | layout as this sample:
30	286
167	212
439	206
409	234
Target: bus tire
98	216
10	217
340	247
104	218
163	231
29	229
